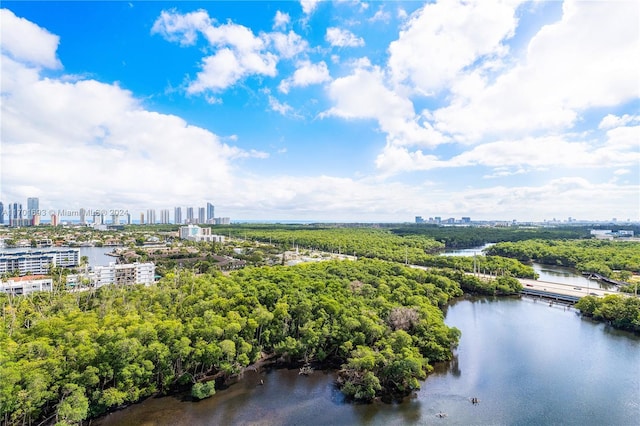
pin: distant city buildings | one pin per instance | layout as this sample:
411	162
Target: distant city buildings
14	215
437	220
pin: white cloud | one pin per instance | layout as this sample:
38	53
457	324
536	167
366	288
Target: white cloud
449	36
587	59
279	107
181	28
26	42
363	95
288	45
239	52
342	38
97	142
308	6
306	74
380	16
611	121
281	20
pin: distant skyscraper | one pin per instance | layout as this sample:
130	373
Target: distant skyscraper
151	216
83	216
210	213
15	214
177	215
141	218
128	218
1	213
189	214
164	216
115	219
33	207
201	215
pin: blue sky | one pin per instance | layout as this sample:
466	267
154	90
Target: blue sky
314	110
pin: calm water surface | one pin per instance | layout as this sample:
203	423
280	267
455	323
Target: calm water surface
529	364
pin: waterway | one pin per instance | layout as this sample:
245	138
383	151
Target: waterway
97	255
528	363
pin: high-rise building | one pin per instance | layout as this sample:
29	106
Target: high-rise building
201	215
164	216
151	216
177	215
83	216
15	214
189	215
115	219
1	213
210	213
33	207
141	218
128	218
54	220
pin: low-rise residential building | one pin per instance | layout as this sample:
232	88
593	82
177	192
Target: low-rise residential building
196	233
115	273
25	285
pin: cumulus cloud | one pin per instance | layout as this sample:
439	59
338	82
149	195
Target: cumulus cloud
441	39
97	141
309	6
611	121
306	74
28	43
342	38
281	20
570	66
364	95
239	53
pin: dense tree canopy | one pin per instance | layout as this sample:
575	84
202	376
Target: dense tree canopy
599	256
70	356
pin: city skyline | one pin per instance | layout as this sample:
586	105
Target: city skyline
324	111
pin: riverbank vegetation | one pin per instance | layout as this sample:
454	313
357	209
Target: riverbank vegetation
599	256
69	356
620	311
381	244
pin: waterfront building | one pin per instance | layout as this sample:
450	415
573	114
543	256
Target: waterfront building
128	218
210	213
141	218
25	285
38	262
177	215
222	220
54	220
115	219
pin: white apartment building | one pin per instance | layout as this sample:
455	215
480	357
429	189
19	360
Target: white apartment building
38	262
25	285
196	233
120	274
